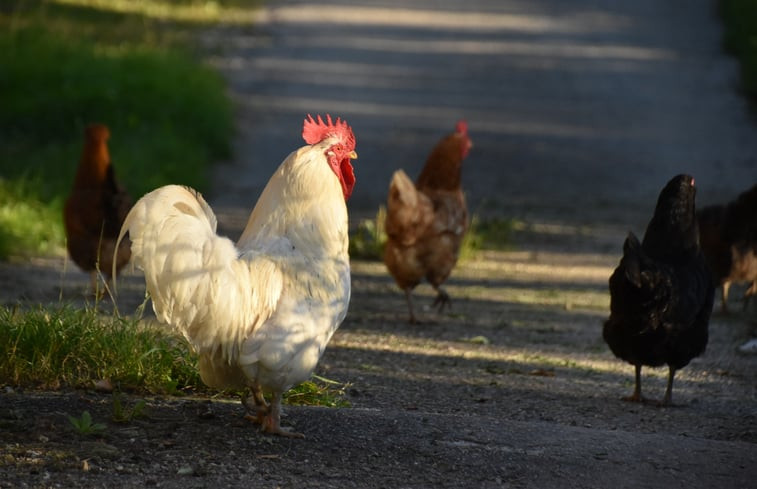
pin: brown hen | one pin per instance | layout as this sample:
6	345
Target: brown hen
426	221
95	210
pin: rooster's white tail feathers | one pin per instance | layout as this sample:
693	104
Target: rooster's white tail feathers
195	279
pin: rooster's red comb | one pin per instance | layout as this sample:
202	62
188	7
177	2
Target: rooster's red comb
315	130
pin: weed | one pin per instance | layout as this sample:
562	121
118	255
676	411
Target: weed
369	239
84	425
318	391
123	414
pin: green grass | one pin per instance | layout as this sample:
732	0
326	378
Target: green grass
63	67
65	347
368	240
318	391
25	221
487	234
740	38
58	347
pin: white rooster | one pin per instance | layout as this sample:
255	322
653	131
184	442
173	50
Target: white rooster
259	314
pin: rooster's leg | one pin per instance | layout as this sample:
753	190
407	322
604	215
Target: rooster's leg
272	421
257	411
409	298
442	299
668	399
636	396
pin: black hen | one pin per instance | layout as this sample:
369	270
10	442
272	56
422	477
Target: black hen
662	291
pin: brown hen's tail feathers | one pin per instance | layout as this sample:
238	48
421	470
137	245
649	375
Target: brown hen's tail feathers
409	212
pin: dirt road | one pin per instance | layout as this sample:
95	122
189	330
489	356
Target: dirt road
580	111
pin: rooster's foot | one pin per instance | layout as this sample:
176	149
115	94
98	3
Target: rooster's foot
272	426
258	409
272	421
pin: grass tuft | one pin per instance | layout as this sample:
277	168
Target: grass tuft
489	234
368	241
318	391
61	346
58	347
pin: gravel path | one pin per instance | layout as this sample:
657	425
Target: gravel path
580	110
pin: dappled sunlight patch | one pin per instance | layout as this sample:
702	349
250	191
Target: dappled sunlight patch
499	360
200	12
449	19
467	350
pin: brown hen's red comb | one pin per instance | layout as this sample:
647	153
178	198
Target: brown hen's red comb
315	130
462	127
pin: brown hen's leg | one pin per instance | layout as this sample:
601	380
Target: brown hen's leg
442	299
409	298
272	421
724	297
256	412
668	399
752	290
636	396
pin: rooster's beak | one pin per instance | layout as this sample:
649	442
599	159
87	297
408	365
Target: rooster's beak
352	155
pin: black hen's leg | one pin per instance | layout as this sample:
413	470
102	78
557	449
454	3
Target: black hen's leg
636	396
668	399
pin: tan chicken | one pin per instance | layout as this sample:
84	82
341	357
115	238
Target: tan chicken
426	221
95	209
259	314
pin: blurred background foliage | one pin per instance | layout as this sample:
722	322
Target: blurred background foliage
132	65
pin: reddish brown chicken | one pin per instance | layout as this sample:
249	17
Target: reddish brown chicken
426	221
728	236
95	210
